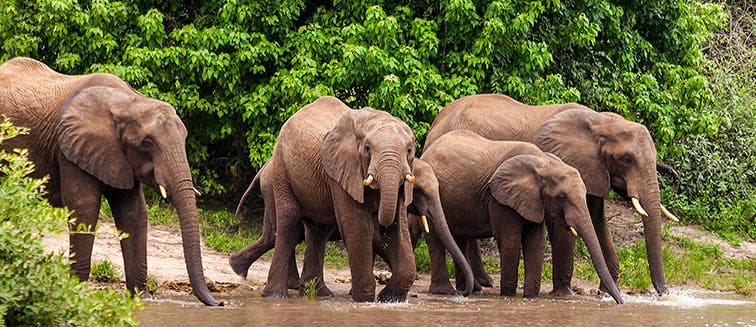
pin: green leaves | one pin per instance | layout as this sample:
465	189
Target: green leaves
236	70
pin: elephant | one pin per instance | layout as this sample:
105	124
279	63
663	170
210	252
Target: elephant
609	151
425	201
507	189
93	136
336	166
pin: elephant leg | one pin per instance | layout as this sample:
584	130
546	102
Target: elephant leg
292	277
288	232
507	231
533	248
402	258
440	280
475	260
85	204
130	215
562	256
356	227
316	237
242	260
596	209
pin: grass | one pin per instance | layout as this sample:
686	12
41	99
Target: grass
310	289
104	272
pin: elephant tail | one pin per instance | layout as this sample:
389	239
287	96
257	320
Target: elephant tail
249	189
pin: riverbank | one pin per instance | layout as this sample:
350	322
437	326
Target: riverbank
167	270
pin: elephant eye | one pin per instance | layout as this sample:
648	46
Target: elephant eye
627	160
146	145
562	198
367	148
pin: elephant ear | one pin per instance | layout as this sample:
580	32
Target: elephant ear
88	134
515	183
572	137
340	153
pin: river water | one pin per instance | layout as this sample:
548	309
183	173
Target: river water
686	308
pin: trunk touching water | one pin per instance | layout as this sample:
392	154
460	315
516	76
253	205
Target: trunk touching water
183	198
441	229
588	234
650	200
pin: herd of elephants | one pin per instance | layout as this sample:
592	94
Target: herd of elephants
490	167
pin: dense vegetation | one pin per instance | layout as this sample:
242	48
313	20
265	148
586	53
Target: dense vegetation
37	288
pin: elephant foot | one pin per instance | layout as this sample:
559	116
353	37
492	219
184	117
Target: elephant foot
508	293
562	291
442	288
281	294
324	292
530	295
293	284
390	296
484	280
238	266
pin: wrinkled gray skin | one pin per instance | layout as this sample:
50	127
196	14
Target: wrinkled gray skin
425	201
608	151
315	179
94	136
507	190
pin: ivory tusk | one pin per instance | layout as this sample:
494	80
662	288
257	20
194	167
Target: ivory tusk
409	178
639	208
367	181
668	214
197	192
162	191
424	220
572	229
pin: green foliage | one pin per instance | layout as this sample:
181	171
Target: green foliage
310	289
422	257
236	70
104	271
37	288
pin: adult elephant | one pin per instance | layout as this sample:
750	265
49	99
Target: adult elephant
352	168
94	136
507	189
608	151
425	201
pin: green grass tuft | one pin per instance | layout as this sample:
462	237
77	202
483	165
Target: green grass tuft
104	272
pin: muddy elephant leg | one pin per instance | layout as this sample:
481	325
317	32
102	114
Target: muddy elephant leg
356	227
472	252
440	280
289	227
85	204
562	254
292	277
402	258
242	260
596	209
316	237
533	248
507	230
130	215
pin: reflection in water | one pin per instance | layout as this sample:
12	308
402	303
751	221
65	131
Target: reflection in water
684	309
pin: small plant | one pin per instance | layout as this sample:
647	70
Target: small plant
104	272
310	289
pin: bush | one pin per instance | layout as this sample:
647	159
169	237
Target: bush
36	288
104	271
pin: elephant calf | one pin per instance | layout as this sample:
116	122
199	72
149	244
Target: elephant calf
507	190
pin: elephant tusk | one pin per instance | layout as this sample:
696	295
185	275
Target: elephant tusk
424	220
367	181
162	191
639	208
669	214
409	178
572	229
197	192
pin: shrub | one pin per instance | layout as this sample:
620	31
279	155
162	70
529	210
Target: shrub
37	288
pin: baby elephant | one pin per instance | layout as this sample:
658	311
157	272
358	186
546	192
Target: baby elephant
506	189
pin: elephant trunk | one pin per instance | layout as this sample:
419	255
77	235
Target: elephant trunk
390	178
182	193
651	202
441	229
586	231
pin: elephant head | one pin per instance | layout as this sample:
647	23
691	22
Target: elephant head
369	147
544	187
123	138
427	205
611	152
